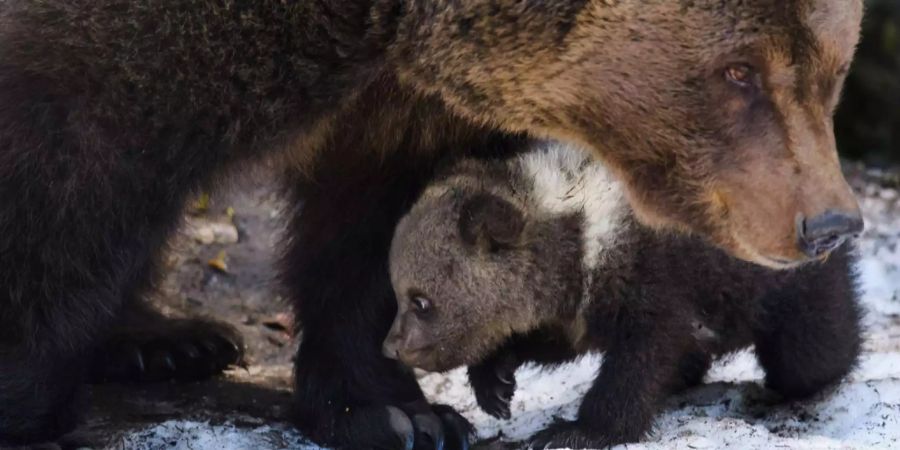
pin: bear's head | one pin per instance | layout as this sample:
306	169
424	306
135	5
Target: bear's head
470	268
717	114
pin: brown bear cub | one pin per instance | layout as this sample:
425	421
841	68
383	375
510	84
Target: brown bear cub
538	258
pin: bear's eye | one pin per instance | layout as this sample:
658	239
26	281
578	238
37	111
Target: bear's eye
742	75
421	303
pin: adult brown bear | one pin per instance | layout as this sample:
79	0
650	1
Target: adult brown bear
715	113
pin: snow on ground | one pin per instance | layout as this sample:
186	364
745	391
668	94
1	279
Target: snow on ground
731	411
188	435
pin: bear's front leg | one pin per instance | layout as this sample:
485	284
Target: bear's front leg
347	394
39	397
83	217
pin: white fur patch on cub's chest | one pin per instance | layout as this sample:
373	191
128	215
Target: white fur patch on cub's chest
565	180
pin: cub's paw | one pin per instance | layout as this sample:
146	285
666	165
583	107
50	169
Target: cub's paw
494	383
568	435
183	350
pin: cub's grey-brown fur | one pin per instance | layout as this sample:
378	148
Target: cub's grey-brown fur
537	258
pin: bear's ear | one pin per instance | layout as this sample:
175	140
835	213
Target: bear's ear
490	223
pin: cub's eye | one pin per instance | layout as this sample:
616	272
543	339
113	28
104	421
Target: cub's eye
421	303
742	75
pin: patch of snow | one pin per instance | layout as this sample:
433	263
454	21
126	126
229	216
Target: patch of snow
190	435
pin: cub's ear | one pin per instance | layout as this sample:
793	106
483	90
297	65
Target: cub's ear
490	223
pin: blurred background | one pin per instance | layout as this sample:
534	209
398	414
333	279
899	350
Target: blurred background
868	122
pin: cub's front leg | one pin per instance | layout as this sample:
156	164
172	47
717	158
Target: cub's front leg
494	378
494	382
639	370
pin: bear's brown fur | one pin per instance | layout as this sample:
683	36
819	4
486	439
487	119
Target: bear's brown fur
112	111
641	83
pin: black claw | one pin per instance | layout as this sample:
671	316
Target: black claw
189	350
126	361
568	434
160	365
137	358
231	352
210	346
458	430
164	362
402	426
429	425
541	441
169	362
494	383
499	403
415	425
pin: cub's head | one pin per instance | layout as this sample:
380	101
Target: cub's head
463	276
717	114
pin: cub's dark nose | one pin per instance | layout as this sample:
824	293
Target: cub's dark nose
391	348
824	233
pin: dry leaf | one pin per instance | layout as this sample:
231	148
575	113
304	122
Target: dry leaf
218	262
202	203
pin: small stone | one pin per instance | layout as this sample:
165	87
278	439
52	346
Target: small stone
208	232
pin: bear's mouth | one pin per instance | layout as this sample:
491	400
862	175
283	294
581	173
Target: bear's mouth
782	264
419	357
747	252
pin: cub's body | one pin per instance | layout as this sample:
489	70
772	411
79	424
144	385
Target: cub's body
538	258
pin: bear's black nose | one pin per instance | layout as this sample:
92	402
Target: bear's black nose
826	232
